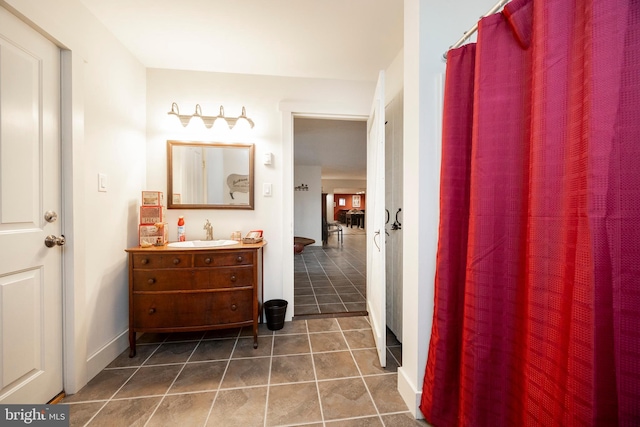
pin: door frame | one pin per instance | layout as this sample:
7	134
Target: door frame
289	111
74	331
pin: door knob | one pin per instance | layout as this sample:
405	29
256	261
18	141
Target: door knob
50	216
51	241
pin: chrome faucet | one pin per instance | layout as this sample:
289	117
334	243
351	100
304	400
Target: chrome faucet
209	228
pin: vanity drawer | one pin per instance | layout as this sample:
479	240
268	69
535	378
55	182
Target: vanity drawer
171	310
161	260
170	279
230	277
219	259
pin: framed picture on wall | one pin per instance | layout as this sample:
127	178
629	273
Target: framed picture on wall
342	201
355	201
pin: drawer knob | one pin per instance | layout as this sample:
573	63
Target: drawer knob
207	260
234	278
151	281
144	261
176	261
239	259
152	310
234	307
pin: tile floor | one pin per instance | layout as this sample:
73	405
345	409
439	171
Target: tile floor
315	372
332	278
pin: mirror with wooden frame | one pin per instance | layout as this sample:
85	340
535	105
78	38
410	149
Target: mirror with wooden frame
209	175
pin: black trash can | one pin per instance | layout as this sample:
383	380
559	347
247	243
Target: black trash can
275	310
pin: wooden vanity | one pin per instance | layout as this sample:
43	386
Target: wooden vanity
194	289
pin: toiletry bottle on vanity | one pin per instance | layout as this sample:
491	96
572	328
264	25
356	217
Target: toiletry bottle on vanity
181	233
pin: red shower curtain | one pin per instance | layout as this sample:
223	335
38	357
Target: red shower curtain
537	304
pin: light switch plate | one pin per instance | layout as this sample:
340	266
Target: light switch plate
267	159
102	182
266	189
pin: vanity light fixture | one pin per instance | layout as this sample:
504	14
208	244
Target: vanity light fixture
302	187
209	120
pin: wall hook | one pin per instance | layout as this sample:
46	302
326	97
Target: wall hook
396	224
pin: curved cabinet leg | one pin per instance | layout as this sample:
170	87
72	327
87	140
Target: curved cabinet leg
132	343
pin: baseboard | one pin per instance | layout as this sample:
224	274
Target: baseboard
101	358
330	315
410	395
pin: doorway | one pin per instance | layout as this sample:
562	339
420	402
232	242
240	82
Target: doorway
330	181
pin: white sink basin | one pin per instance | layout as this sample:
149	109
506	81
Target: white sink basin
202	243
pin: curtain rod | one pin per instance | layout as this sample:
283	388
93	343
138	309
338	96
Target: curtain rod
471	31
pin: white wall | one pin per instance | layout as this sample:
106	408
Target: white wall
307	206
430	27
103	131
262	97
355	185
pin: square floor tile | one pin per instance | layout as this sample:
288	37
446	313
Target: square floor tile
142	353
199	376
292	369
213	350
329	299
396	351
356	306
358	422
246	373
323	325
222	333
332	308
172	352
102	386
182	410
302	310
345	398
151	337
243	407
360	339
324	291
352	298
247	331
369	363
384	390
126	412
244	347
304	299
327	341
149	381
81	413
403	420
303	292
293	327
293	404
290	344
354	323
338	364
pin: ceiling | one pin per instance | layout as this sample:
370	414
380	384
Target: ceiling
326	39
334	39
338	146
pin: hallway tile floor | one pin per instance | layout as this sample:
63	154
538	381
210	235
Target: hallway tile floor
315	372
332	278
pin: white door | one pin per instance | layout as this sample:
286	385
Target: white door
30	185
393	197
375	221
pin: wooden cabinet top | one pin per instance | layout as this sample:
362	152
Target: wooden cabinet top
169	249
